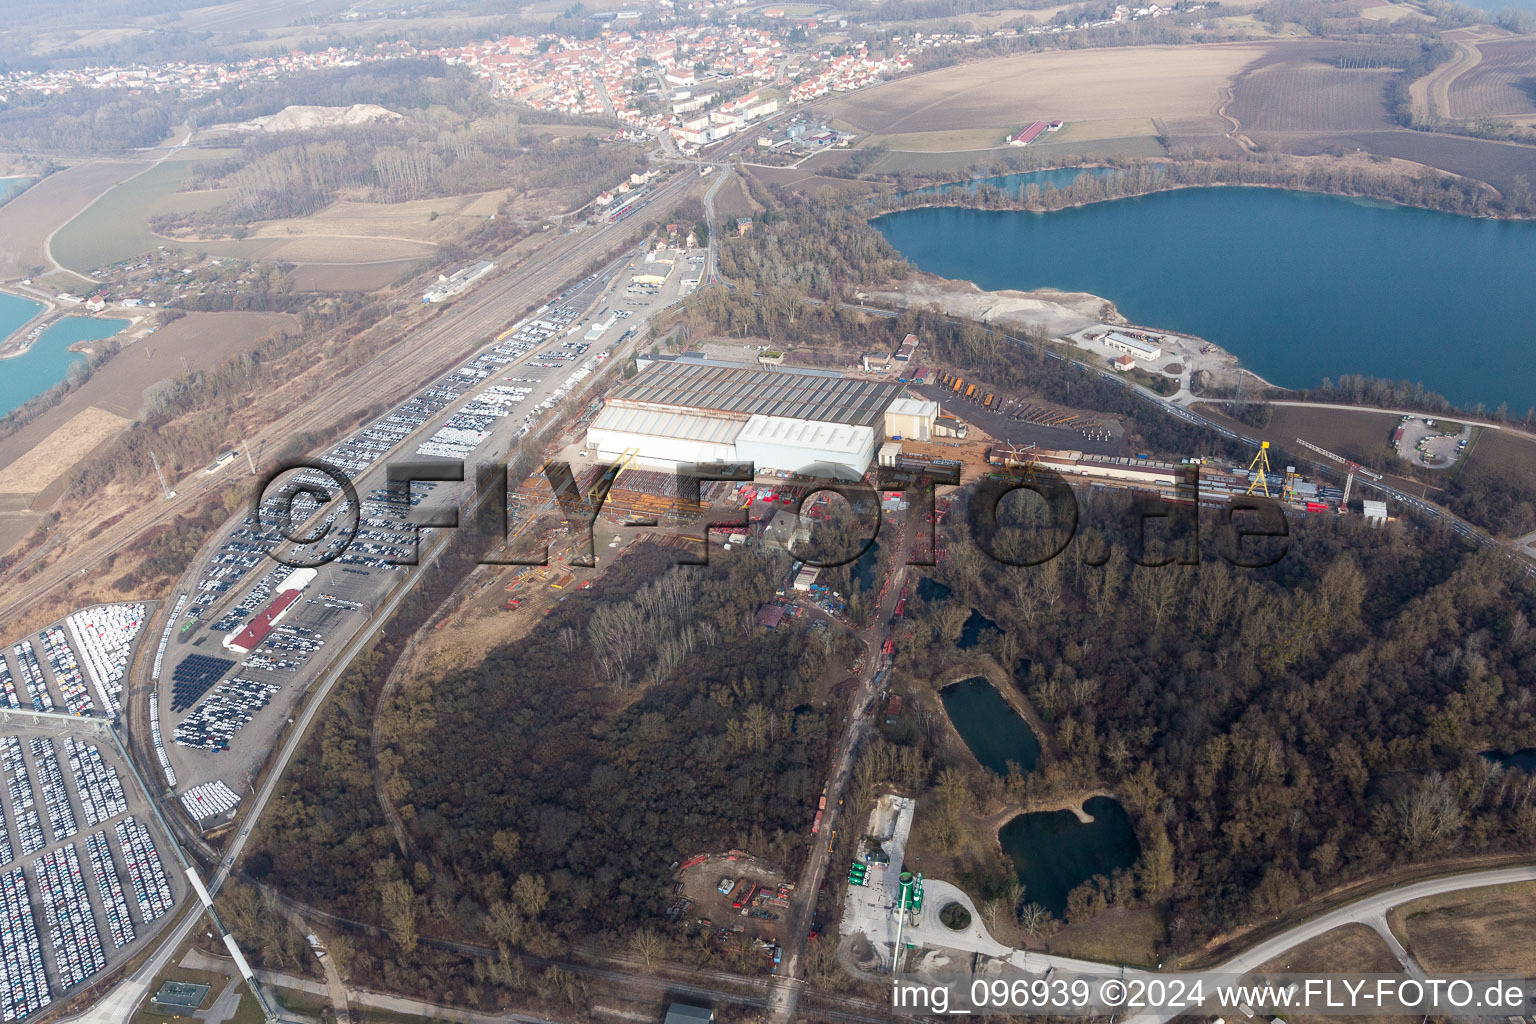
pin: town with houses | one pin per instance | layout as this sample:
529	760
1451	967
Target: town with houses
688	81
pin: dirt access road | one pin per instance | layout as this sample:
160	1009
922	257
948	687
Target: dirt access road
784	996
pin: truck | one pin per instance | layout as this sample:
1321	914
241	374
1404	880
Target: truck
816	825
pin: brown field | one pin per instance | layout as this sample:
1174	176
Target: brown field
1074	85
1497	163
732	201
1431	94
204	340
77	438
1391	12
1115	936
350	277
410	221
1339	430
1487	930
1503	83
805	179
28	220
248	15
1350	949
1308	95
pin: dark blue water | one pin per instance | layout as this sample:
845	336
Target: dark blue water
1053	853
1525	760
45	363
995	732
930	589
1298	286
976	625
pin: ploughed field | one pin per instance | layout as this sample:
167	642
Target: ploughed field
1073	85
1501	84
1308	95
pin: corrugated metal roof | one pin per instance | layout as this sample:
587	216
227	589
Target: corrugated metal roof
655	423
742	392
913	407
832	438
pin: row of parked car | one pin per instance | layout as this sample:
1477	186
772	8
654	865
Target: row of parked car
77	952
151	889
119	922
23	982
29	829
66	671
61	817
96	782
231	705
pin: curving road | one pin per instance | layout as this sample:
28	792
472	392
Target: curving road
1369	910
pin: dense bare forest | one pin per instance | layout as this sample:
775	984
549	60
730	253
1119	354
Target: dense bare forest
1273	732
419	158
547	791
86	121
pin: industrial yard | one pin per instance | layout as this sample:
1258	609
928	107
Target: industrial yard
87	871
247	641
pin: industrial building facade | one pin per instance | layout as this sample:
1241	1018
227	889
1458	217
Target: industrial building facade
691	411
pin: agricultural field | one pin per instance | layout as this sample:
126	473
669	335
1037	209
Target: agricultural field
1488	930
1308	95
345	245
46	448
1352	948
1392	12
116	226
1078	86
1497	163
1501	84
1348	949
28	220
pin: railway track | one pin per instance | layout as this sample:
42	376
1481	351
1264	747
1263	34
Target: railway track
465	326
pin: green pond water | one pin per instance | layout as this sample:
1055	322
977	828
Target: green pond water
1053	853
995	732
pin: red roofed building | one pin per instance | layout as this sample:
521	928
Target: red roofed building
1027	134
248	639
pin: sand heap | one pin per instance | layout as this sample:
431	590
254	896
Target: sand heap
300	119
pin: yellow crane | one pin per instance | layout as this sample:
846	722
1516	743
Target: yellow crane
1259	467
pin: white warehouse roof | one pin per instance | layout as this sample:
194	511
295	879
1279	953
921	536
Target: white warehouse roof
784	443
654	423
913	407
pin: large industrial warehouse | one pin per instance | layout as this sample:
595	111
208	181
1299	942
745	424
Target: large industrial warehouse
689	411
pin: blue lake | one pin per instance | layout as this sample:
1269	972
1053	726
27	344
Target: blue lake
1298	286
10	186
26	376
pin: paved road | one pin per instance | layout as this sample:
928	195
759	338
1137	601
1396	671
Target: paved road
1363	911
